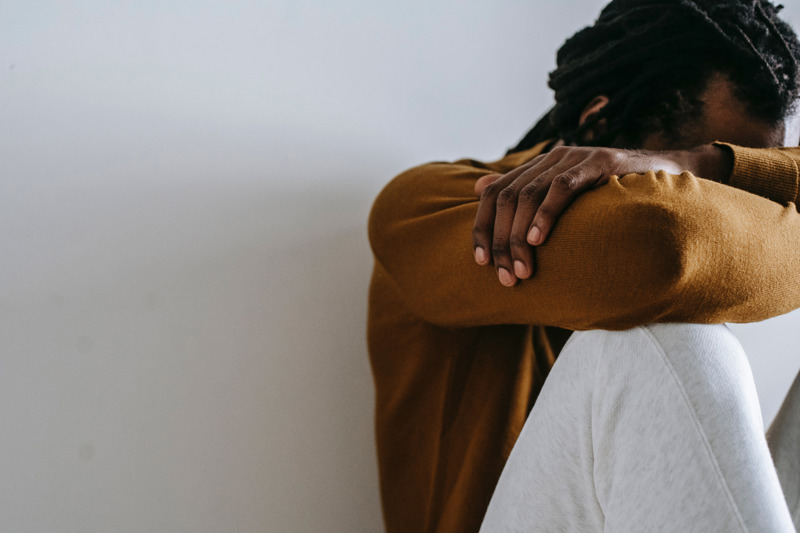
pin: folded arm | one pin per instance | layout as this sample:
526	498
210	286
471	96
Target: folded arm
642	248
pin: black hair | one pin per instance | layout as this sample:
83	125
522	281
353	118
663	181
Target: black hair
653	58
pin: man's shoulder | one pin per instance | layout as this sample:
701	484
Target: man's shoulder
508	162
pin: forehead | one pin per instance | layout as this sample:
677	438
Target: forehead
725	118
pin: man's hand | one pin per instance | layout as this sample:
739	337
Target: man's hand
519	209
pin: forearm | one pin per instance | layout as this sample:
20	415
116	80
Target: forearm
768	172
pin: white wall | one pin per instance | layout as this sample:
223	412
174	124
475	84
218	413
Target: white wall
183	192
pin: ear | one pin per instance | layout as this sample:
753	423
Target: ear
597	103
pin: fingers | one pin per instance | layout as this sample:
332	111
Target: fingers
519	209
483	229
484	221
493	238
565	187
522	256
528	203
506	207
502	194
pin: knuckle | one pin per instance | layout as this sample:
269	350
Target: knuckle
518	242
480	231
529	191
565	182
612	158
490	191
507	197
499	249
546	212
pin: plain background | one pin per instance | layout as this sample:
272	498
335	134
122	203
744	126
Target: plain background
183	193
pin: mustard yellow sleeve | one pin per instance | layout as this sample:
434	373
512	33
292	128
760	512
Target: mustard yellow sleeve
768	172
643	248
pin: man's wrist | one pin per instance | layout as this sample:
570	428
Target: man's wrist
709	161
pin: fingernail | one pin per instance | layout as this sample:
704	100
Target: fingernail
505	277
534	235
520	269
480	256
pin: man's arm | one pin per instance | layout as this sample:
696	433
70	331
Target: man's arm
520	208
643	248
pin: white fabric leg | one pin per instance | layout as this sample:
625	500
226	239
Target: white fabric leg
783	438
653	429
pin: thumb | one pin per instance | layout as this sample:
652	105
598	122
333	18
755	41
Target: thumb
485	181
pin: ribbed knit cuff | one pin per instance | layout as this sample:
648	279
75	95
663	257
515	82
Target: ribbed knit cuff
766	172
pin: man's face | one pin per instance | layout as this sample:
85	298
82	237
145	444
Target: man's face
725	119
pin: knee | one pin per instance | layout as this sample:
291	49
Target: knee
708	352
705	363
702	355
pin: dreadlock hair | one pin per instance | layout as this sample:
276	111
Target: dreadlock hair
653	58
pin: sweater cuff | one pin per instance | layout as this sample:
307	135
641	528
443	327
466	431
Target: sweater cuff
766	172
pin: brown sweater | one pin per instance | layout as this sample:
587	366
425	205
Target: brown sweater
458	359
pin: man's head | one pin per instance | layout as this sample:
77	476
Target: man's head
654	74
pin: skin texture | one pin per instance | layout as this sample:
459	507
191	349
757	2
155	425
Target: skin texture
519	209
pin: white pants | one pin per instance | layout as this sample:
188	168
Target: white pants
653	429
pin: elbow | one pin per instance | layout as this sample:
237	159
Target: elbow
670	250
393	205
683	267
654	260
383	216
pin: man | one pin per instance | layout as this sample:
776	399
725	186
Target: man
459	359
